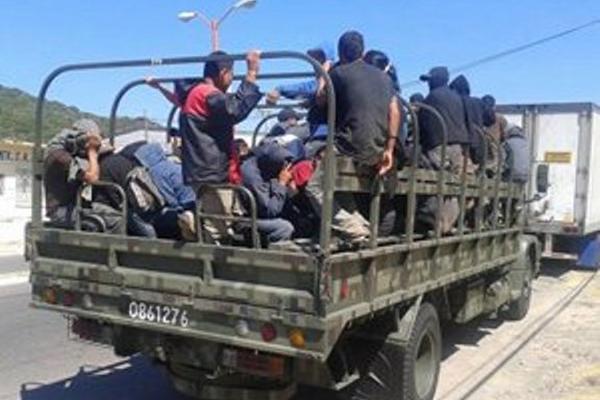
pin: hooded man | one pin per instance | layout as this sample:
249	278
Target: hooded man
268	175
289	134
449	104
474	113
517	161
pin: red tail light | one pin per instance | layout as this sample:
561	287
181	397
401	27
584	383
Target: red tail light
68	299
268	332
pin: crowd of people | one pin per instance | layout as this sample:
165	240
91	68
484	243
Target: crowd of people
283	172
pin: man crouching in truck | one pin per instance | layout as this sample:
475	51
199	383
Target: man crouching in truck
207	124
71	160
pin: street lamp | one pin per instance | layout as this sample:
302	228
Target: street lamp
214	24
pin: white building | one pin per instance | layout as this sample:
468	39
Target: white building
15	200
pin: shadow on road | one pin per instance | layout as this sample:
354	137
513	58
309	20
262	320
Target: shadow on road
132	379
556	268
468	334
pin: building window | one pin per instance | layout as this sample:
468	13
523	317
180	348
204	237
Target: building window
1	185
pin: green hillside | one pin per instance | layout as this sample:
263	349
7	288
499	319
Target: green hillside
17	116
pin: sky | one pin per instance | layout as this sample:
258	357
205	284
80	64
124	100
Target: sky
37	36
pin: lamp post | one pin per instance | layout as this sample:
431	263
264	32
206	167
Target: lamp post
215	24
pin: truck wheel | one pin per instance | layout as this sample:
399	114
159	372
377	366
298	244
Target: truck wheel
518	309
422	355
390	371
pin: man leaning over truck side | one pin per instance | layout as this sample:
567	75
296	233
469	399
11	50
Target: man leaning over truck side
207	122
367	123
71	160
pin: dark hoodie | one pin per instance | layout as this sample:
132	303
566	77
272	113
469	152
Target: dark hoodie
449	104
259	175
473	115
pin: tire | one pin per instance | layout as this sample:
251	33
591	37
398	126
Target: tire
422	355
518	309
389	371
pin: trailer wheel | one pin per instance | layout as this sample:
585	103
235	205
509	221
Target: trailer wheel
391	371
422	355
518	309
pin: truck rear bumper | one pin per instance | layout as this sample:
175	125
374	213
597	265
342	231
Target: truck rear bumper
173	330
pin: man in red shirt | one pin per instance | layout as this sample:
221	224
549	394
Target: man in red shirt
209	116
206	123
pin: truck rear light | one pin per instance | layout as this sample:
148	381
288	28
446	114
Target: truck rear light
68	299
49	295
268	332
254	363
344	289
86	301
297	339
242	329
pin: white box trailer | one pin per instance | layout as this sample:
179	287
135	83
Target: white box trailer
564	140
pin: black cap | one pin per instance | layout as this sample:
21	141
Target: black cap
436	73
287	113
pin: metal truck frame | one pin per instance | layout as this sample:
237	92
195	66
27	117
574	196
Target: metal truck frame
232	322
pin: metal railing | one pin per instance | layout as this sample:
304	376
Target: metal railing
106	186
318	72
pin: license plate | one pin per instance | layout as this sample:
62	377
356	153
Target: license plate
253	363
157	313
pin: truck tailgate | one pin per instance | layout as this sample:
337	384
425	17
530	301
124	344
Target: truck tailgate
110	278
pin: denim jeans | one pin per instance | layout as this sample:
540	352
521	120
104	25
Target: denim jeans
161	224
275	230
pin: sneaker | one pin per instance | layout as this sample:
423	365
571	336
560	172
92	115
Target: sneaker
354	230
187	225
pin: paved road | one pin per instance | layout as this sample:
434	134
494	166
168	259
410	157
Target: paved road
12	263
39	362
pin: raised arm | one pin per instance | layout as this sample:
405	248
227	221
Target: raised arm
234	108
169	95
321	96
92	172
394	115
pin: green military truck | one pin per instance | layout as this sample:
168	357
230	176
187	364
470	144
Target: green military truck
246	322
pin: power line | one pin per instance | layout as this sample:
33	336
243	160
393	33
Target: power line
513	50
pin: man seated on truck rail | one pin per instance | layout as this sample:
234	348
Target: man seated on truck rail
474	110
71	160
268	176
367	124
450	106
207	122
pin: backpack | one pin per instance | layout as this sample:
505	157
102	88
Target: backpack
142	193
101	218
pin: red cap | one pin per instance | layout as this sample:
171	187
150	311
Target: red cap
302	172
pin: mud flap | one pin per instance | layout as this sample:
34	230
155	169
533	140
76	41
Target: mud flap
406	323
